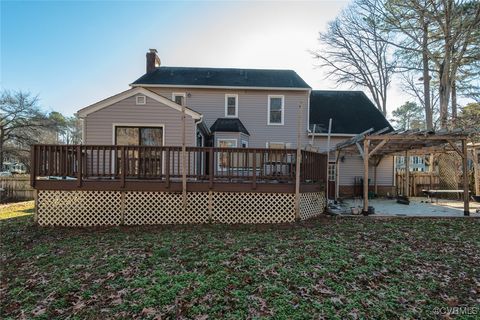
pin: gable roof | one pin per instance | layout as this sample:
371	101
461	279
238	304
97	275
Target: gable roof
351	112
131	92
228	125
222	77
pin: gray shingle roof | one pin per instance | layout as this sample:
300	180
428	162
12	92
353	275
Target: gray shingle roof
228	125
223	77
352	112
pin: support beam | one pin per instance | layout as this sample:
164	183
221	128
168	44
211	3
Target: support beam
337	173
362	152
184	159
297	164
381	144
476	171
460	152
466	194
365	176
407	175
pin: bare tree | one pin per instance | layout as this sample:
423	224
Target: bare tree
354	51
442	32
21	122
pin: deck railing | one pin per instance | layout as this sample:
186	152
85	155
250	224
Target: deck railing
164	164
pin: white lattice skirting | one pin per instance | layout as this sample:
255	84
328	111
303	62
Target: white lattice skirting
97	208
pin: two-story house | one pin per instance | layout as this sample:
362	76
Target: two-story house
225	107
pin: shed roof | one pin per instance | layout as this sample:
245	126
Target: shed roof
229	125
222	77
351	111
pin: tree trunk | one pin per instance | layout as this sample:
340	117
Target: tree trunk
444	93
426	78
2	136
454	102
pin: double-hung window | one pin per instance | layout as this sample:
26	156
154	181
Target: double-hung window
276	106
231	105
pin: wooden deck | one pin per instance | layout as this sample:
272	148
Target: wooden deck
141	168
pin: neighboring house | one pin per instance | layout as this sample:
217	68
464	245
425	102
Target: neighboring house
234	108
417	163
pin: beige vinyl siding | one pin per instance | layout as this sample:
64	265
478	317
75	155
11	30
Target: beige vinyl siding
352	166
252	111
99	124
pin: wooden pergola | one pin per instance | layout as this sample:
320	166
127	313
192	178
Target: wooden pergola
406	143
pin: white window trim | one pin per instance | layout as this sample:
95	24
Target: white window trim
180	94
231	95
137	100
225	139
219	168
283	110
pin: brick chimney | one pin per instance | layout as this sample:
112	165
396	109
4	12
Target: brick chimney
153	61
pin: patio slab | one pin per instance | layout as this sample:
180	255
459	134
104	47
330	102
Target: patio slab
418	207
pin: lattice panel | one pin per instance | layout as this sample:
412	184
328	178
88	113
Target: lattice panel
79	208
312	204
236	207
165	208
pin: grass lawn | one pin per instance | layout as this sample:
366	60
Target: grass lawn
18	209
326	268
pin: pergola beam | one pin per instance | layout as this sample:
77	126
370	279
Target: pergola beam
381	144
466	194
454	146
365	176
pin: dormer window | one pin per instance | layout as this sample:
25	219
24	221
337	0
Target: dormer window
141	100
179	98
231	105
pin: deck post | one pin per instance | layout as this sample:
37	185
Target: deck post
466	194
211	166
365	176
167	167
122	207
35	205
297	163
184	159
80	165
33	166
254	170
407	175
124	166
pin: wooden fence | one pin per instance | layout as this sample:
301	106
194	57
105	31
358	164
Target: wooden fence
15	188
417	182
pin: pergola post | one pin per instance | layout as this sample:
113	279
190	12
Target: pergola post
365	175
407	175
466	194
476	173
337	173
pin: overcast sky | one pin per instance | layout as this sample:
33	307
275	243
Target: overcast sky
76	53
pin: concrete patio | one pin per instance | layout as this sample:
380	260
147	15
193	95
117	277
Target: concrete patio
418	207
